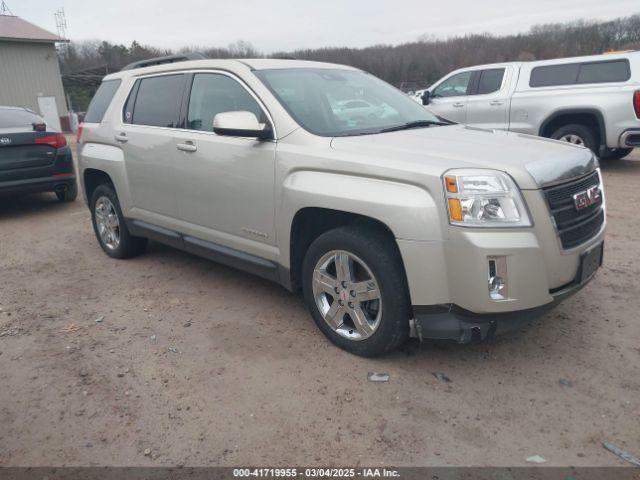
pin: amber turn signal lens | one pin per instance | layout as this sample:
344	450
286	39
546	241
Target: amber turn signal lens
452	184
455	209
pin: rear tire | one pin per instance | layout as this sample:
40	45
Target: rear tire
577	134
363	308
616	153
69	195
110	227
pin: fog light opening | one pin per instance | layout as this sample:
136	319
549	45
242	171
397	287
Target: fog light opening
497	278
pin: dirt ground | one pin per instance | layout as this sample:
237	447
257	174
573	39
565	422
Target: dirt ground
195	363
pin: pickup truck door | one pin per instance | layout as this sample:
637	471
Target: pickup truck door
224	184
488	104
449	98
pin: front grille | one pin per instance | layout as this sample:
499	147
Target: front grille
575	226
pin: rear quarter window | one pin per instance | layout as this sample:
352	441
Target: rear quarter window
101	100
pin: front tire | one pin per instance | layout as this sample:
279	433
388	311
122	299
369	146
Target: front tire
355	289
577	134
110	227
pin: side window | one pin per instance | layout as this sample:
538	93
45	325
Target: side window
454	86
554	75
490	80
158	101
213	93
614	71
571	74
101	100
127	113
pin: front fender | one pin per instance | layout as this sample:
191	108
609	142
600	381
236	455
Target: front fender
409	211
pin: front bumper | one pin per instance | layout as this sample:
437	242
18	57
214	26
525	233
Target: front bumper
451	322
448	280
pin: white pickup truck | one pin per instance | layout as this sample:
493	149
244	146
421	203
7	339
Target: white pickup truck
592	101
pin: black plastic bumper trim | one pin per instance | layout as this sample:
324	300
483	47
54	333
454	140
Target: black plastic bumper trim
452	322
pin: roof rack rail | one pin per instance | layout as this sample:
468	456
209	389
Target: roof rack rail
167	59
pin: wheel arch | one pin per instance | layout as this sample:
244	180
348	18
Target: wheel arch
104	163
308	209
310	222
92	178
590	117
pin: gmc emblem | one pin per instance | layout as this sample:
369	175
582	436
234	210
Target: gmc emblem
588	197
5	141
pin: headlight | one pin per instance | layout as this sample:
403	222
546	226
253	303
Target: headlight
484	198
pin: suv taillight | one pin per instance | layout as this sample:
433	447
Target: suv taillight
636	102
56	141
79	133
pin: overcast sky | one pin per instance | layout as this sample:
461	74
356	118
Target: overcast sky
272	25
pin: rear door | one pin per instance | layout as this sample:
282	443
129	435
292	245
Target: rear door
146	137
449	98
487	105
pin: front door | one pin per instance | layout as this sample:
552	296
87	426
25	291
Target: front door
449	98
224	185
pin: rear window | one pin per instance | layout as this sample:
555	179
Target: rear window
18	117
158	101
578	73
490	80
101	100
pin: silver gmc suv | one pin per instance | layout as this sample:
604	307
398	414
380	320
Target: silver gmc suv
329	181
592	101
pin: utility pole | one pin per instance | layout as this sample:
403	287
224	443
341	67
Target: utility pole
4	9
61	23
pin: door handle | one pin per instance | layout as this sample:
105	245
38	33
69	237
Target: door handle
458	104
121	137
496	103
187	146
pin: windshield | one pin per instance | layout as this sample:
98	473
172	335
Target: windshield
332	103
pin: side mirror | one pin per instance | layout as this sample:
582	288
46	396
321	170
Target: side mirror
426	97
241	124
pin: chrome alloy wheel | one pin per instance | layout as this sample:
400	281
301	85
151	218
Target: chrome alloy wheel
347	295
107	223
572	138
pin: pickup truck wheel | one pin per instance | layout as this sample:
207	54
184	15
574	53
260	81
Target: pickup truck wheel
577	135
110	227
354	286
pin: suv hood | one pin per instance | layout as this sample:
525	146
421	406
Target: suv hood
533	162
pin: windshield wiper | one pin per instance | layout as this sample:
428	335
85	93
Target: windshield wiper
409	125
